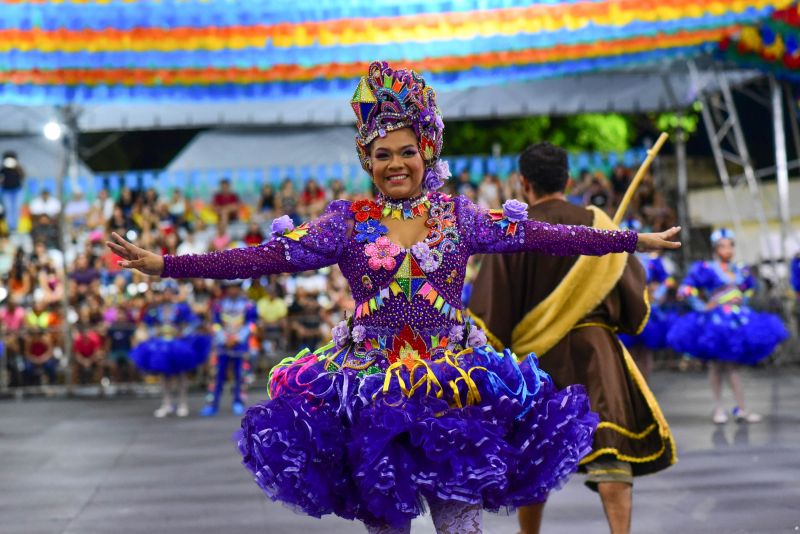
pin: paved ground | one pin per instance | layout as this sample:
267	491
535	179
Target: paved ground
107	466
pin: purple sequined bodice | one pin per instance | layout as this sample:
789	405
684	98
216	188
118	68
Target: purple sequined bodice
394	287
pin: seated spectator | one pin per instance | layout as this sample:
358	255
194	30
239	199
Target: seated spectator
226	203
312	200
45	229
464	185
119	222
39	360
12	327
620	179
177	208
19	282
266	203
649	205
337	189
222	240
45	204
254	235
272	313
76	213
286	201
126	201
6	255
598	194
190	245
82	275
119	342
305	320
101	210
490	192
50	288
87	350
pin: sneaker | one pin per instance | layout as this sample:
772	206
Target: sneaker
719	417
238	408
164	410
743	416
208	411
182	410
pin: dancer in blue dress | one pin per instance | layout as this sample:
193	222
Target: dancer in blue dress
173	348
722	329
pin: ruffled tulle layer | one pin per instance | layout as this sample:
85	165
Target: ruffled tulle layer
654	335
173	356
476	427
737	335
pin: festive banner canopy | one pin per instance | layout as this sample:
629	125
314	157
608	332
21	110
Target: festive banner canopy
118	51
773	45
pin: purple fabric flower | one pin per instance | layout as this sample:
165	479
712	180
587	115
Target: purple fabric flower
436	175
341	334
425	257
456	333
359	333
476	338
515	211
281	225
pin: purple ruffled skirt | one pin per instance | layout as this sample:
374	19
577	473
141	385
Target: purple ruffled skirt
476	427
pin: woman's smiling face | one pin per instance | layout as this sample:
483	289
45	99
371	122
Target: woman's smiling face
397	166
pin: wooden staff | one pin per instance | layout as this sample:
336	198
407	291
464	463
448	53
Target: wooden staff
637	179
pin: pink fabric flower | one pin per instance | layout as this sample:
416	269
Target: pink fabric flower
381	254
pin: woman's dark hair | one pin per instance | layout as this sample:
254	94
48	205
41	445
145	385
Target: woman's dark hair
545	167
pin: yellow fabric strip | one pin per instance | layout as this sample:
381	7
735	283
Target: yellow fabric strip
625	432
585	286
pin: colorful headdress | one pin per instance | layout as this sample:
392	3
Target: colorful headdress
719	235
387	100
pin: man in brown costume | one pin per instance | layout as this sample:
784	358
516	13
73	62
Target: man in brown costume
568	310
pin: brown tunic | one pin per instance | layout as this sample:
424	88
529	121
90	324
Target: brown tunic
509	286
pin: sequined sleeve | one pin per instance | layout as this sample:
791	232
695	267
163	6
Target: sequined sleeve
698	281
492	232
309	246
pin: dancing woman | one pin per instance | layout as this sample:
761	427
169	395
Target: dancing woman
407	403
722	329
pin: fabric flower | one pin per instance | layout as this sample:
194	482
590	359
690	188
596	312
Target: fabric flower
427	260
365	209
369	230
359	333
341	334
515	211
456	334
476	338
281	225
381	254
435	176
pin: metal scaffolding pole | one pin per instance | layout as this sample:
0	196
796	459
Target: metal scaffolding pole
683	190
781	164
747	164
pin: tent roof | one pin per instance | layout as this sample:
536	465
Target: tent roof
275	148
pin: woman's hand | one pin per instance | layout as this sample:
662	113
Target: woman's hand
134	257
659	241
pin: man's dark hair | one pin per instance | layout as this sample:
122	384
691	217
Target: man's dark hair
545	167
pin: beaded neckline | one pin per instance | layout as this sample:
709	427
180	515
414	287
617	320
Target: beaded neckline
408	208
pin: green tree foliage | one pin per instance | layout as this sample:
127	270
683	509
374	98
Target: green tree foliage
609	132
